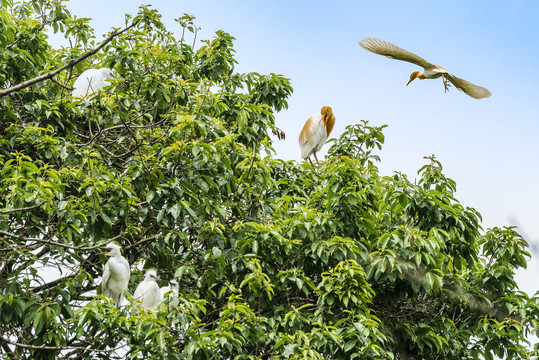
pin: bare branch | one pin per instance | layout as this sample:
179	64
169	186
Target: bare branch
22	209
71	63
55	243
51	284
45	347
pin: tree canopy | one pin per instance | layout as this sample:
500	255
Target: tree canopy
274	259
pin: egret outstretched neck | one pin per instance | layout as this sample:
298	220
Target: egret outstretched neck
432	71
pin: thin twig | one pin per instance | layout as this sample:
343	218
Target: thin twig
70	88
140	242
125	125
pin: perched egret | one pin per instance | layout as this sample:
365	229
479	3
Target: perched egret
148	291
172	290
91	81
116	274
432	71
315	133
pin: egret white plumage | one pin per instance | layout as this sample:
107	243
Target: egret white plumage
91	81
432	71
116	274
315	133
148	291
171	290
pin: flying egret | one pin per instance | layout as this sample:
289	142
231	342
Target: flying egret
91	81
315	133
432	71
116	274
148	291
172	290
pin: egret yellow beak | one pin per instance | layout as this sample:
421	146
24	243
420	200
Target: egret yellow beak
413	76
105	250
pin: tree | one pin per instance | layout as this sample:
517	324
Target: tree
274	260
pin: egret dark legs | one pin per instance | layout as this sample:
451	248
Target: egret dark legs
446	83
317	162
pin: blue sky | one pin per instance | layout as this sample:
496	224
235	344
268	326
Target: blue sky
489	146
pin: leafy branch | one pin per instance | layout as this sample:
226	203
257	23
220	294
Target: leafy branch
70	64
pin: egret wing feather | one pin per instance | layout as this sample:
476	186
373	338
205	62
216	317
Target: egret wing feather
475	91
148	293
392	51
91	81
105	289
83	84
164	290
116	278
140	291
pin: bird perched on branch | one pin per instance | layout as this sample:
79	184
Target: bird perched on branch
172	290
91	81
432	71
315	133
148	291
116	274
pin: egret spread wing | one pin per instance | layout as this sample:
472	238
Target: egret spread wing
475	91
392	51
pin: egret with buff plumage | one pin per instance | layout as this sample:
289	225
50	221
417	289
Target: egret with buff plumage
431	71
315	132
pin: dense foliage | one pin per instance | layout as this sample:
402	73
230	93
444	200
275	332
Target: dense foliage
275	259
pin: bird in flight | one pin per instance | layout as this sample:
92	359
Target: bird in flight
315	133
431	71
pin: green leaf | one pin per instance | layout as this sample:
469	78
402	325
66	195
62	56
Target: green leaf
175	211
7	314
106	218
188	209
150	195
349	345
38	322
161	340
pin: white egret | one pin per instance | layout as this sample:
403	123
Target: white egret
432	71
148	291
315	133
171	290
116	274
91	81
